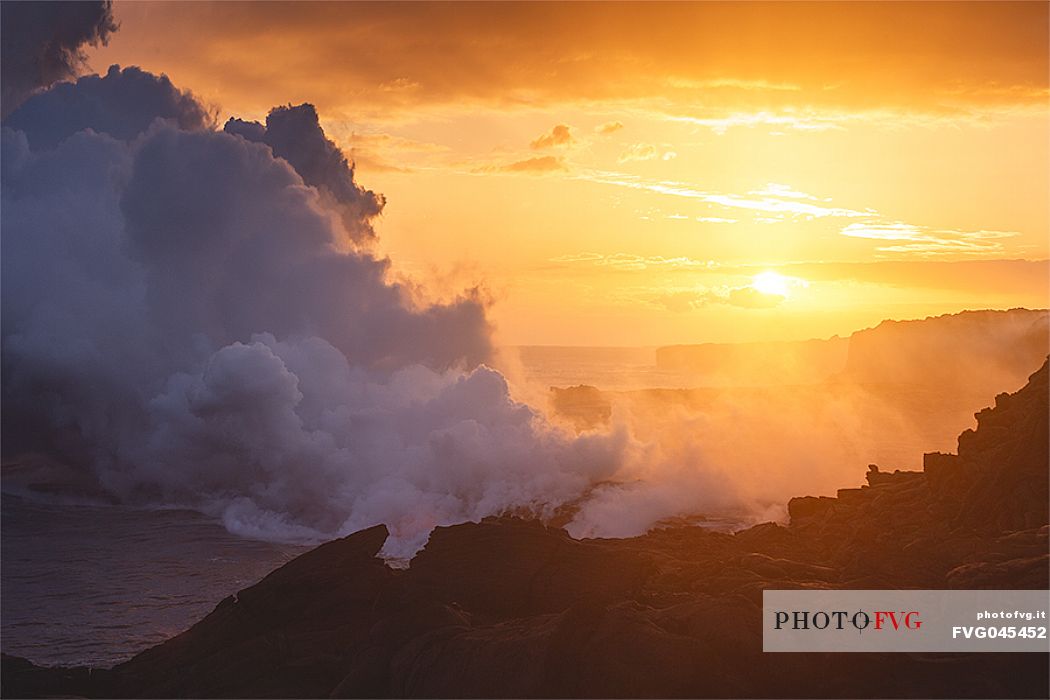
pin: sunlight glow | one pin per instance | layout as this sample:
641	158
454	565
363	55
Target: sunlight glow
770	282
640	188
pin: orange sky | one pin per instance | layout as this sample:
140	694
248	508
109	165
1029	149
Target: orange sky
619	173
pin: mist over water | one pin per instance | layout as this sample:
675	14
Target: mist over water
732	432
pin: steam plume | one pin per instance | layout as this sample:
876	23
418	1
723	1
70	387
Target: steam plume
295	135
42	43
183	313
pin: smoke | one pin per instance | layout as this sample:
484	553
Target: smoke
185	315
122	104
736	456
42	43
293	133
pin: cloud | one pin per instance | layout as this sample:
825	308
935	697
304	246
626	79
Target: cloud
560	135
776	201
537	166
645	151
629	261
799	120
683	301
122	104
381	151
294	133
747	297
44	43
638	151
777	190
775	204
399	84
751	298
608	128
732	83
372	162
578	257
384	152
394	144
184	319
349	57
922	240
884	231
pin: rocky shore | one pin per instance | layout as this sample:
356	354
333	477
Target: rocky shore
514	608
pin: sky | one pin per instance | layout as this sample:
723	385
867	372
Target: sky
648	174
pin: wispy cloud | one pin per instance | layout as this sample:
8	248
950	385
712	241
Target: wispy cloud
646	151
774	189
883	231
824	120
776	201
833	118
638	151
628	261
751	298
684	300
733	83
909	238
399	85
775	204
538	165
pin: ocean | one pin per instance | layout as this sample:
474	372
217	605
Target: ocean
92	585
610	368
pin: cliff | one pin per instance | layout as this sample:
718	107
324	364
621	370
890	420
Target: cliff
512	608
993	349
975	350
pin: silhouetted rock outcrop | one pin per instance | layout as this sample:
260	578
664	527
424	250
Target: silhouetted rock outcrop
979	351
984	350
513	608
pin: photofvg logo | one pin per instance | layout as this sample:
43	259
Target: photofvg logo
905	621
860	620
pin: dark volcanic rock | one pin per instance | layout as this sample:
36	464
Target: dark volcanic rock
287	635
510	608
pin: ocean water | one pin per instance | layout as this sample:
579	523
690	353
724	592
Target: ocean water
92	585
610	368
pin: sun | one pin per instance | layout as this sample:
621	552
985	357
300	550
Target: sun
770	282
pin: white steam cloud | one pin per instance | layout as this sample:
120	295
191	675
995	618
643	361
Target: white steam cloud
189	314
